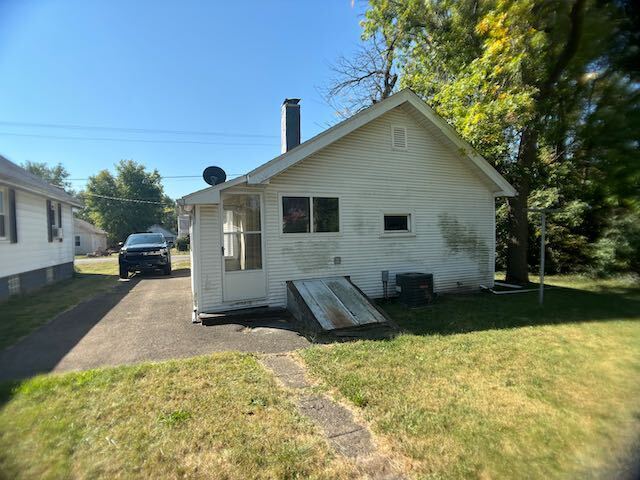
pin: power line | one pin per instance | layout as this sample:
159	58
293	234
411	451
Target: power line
122	199
113	139
134	130
163	177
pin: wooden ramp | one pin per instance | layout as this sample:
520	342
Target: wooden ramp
336	307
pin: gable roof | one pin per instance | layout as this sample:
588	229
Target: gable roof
79	223
425	115
18	177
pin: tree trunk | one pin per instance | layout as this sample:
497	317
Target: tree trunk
517	243
518	240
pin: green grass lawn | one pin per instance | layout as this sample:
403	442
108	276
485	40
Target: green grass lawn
485	386
22	314
220	416
479	386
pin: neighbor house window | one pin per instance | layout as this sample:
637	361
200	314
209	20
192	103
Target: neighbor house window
3	213
77	240
397	223
310	214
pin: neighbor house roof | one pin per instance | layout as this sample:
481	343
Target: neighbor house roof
79	223
16	176
424	114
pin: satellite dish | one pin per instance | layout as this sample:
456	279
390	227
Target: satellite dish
214	175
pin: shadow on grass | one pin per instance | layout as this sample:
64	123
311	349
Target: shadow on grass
452	314
41	350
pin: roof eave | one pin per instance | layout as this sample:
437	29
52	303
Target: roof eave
61	197
210	195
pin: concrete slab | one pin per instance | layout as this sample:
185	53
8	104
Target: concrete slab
147	318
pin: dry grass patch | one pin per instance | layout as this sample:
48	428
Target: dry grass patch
495	387
219	416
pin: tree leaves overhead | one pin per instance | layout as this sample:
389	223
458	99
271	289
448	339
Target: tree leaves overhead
548	92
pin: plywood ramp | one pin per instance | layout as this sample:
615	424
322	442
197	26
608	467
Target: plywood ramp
335	306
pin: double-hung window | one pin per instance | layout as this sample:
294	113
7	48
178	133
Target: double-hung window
309	214
3	214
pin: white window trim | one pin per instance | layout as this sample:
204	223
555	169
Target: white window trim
5	212
406	138
262	233
311	233
411	223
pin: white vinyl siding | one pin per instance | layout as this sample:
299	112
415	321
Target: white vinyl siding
89	241
210	257
33	250
452	215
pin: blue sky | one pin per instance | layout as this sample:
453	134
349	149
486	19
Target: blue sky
182	66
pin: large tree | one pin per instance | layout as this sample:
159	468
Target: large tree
56	175
545	90
128	202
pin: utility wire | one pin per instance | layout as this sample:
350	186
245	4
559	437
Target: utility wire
121	199
163	177
112	139
135	130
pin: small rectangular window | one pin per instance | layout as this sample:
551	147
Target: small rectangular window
77	240
14	285
325	214
397	223
296	215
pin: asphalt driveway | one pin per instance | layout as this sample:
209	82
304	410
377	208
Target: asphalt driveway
146	318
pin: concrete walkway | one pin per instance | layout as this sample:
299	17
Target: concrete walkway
146	318
348	436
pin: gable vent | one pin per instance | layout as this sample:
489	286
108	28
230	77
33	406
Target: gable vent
399	138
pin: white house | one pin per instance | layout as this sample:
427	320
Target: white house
168	234
88	238
36	231
392	188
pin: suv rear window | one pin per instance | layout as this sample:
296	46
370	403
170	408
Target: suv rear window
145	238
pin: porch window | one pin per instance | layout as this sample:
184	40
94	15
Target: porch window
242	233
300	214
77	240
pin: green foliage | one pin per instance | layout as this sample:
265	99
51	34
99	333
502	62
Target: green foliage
618	250
56	175
120	218
559	74
183	243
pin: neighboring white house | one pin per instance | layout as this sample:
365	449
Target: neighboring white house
36	231
392	188
169	235
88	238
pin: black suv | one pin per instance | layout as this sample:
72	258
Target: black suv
144	252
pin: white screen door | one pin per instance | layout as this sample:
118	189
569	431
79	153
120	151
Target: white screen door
244	276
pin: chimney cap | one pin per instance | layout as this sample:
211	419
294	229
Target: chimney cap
291	101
